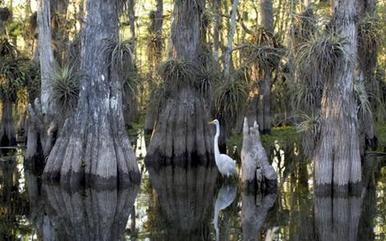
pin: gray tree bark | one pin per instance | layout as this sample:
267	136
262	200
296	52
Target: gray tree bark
255	166
93	146
46	55
337	155
216	29
182	134
42	125
231	34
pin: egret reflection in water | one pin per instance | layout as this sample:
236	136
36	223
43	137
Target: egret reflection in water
225	197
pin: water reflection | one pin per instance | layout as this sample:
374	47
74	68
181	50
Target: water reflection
189	203
337	218
184	198
80	215
254	211
225	197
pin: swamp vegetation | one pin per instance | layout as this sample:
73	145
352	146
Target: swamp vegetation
105	107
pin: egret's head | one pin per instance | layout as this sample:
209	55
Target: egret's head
214	122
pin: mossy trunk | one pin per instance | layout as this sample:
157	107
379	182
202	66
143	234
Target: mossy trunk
7	128
337	156
93	146
182	133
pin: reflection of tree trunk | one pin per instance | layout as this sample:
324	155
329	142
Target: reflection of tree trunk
93	145
94	215
185	195
337	218
7	128
253	214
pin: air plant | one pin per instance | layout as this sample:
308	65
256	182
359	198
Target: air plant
12	77
65	85
121	56
263	50
369	32
362	97
7	49
231	96
179	74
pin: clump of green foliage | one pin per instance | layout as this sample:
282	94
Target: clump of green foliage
65	85
179	74
230	96
263	49
121	56
12	74
369	32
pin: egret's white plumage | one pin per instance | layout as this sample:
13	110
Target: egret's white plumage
225	164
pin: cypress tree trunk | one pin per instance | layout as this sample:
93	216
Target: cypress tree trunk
264	106
59	28
216	29
46	55
182	133
155	55
7	128
337	155
42	125
367	63
93	146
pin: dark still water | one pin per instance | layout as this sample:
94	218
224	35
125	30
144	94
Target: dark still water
190	204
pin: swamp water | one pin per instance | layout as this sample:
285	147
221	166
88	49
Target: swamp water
177	203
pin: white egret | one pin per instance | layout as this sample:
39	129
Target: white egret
225	164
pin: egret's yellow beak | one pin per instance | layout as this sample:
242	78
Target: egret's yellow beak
211	122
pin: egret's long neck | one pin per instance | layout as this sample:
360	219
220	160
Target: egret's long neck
216	150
